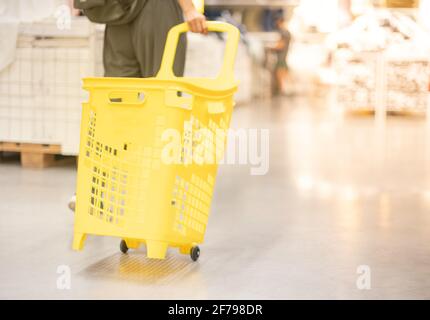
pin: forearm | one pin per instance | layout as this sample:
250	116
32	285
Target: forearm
186	5
196	21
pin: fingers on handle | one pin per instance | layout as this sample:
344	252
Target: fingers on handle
197	26
205	27
201	24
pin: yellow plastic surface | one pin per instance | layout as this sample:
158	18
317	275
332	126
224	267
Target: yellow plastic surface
124	188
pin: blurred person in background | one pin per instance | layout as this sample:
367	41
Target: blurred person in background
136	33
281	49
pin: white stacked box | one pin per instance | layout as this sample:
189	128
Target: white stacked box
402	84
408	85
243	72
41	94
357	79
396	72
204	59
261	81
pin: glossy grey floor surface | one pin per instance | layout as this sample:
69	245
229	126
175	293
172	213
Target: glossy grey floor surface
342	195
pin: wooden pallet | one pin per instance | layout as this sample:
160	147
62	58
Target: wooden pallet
371	112
405	113
36	156
360	112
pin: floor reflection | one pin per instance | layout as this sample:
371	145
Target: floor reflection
339	195
137	267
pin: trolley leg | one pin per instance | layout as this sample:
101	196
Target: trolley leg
156	249
185	250
132	244
78	241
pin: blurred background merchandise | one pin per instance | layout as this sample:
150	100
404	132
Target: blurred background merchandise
349	179
359	48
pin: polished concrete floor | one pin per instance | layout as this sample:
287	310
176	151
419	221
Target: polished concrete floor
342	192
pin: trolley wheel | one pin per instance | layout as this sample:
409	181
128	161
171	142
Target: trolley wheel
195	253
123	247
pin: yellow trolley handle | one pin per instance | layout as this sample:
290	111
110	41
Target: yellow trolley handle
227	72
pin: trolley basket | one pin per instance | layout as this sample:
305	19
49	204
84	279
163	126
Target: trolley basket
149	153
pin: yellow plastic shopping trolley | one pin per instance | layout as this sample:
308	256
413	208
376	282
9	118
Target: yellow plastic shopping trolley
149	151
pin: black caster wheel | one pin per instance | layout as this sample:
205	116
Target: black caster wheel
195	253
123	247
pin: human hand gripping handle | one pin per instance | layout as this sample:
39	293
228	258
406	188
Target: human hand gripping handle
196	21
